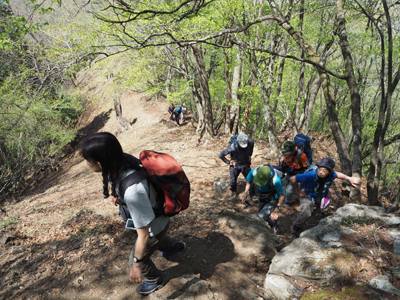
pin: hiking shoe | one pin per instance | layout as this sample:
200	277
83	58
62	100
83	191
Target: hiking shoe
233	194
147	288
168	255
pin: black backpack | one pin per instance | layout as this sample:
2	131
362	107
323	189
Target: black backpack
233	140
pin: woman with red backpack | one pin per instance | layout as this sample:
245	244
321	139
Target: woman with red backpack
103	153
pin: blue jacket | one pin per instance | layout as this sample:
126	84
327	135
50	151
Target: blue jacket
311	183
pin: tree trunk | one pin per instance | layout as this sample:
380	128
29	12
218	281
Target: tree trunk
265	92
355	194
237	78
280	74
309	109
228	93
205	93
258	115
300	95
235	86
122	121
329	95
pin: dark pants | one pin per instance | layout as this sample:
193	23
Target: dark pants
177	118
161	242
266	206
307	209
234	172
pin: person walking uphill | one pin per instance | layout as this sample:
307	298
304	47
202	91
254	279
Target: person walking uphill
316	187
103	153
240	152
271	194
292	165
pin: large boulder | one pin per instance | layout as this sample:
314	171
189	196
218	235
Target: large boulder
314	256
253	238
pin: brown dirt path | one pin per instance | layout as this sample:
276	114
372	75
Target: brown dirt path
69	243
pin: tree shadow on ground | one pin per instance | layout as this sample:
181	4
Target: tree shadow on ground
91	260
94	126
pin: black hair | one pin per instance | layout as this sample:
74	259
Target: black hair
104	148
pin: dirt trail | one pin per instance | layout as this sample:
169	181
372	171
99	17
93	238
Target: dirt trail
69	243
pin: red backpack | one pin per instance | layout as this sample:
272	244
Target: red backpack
168	179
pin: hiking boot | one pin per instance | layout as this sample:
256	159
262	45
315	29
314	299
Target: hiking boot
296	232
233	194
147	288
167	255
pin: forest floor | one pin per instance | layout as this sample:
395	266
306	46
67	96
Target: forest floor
64	241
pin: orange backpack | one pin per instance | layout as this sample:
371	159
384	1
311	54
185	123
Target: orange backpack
168	179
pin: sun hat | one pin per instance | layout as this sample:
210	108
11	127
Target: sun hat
262	176
327	163
288	148
242	140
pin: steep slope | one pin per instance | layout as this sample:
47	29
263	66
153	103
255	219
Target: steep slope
66	242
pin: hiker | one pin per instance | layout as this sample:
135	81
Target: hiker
177	113
271	195
292	165
182	112
171	111
240	151
103	153
316	186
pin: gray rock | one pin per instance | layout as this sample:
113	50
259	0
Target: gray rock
395	233
220	184
189	287
306	260
382	283
312	257
252	237
396	247
277	287
5	239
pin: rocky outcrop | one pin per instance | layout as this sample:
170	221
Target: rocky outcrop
253	238
313	257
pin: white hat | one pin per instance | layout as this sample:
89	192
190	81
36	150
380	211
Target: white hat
242	140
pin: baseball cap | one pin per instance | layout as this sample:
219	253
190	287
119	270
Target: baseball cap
242	140
288	148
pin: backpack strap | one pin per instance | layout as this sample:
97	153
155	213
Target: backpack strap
133	178
298	155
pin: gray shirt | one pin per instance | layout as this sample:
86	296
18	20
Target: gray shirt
140	205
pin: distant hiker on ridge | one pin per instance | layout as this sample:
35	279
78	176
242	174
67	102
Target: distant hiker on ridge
270	191
240	151
103	153
292	166
316	186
